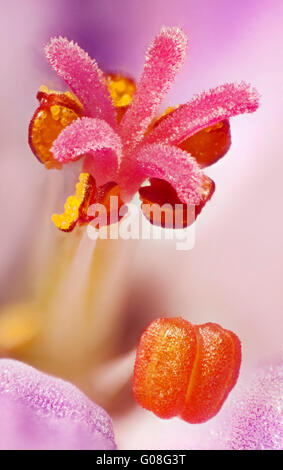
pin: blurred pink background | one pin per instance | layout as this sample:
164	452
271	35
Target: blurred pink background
233	275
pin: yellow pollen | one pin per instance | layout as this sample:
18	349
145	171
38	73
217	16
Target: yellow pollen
121	89
76	205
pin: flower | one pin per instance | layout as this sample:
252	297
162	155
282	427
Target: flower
42	412
186	370
121	150
232	239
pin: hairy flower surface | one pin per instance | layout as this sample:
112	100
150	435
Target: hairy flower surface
185	370
254	419
113	126
42	412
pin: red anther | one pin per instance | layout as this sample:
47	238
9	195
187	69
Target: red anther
162	206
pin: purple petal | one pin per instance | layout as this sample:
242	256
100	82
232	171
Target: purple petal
43	412
254	419
163	61
205	109
83	76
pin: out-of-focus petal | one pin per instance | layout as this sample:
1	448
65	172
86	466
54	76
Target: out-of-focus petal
170	164
205	109
254	419
94	136
163	61
83	76
42	412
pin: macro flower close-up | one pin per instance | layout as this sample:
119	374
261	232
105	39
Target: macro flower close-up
141	256
123	147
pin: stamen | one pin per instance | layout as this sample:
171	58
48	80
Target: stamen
210	144
122	90
103	197
207	191
162	206
76	206
55	112
159	201
185	370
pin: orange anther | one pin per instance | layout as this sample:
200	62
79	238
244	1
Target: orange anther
55	112
185	370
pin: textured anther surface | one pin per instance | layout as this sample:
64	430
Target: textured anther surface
165	359
56	111
162	206
206	193
215	373
122	90
185	370
76	206
210	144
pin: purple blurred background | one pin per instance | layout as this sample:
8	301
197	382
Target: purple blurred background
233	275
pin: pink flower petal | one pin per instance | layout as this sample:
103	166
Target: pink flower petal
43	412
167	163
204	110
83	76
254	418
163	61
90	136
